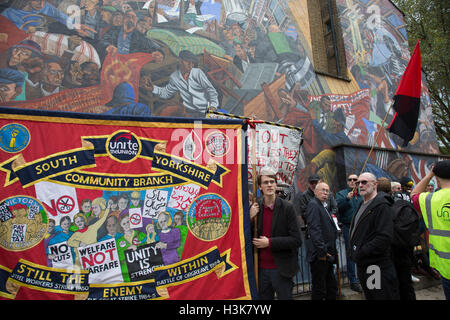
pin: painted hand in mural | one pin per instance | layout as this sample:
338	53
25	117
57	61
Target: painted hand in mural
161	245
74	41
83	30
112	50
146	83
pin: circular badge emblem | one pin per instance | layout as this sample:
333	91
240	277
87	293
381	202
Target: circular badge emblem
65	204
217	144
123	146
14	137
209	217
23	221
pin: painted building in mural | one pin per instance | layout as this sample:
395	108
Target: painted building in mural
330	67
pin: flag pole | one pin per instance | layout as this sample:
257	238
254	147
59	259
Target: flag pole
376	138
409	87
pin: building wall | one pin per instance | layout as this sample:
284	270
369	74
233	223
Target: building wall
372	43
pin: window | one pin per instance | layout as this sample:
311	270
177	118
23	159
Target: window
326	38
397	24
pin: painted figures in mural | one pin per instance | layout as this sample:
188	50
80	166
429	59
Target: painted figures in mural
182	57
124	235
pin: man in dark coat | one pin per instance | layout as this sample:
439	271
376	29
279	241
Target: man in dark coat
348	200
302	199
278	239
321	245
371	234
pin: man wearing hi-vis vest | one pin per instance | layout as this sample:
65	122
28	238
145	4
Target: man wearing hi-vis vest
435	209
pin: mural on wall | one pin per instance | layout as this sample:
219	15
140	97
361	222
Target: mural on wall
181	57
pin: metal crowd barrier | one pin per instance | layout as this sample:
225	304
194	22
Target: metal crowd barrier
302	281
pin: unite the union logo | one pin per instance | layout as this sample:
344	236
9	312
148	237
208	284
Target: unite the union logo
14	137
123	146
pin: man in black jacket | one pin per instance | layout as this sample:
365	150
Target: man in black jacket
321	245
302	199
278	239
371	234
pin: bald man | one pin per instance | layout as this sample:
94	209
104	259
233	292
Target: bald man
321	245
371	234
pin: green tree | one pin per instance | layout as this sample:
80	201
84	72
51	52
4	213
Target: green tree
429	21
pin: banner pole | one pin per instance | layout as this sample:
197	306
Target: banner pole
252	124
338	273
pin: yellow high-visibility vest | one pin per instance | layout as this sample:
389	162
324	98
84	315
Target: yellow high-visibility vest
435	207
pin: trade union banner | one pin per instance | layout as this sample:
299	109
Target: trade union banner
99	207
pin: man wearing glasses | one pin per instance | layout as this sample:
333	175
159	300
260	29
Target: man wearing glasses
371	233
302	199
321	245
348	200
277	240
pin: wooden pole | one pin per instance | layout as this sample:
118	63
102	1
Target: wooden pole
254	181
338	273
376	138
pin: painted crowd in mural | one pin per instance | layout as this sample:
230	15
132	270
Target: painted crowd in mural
244	57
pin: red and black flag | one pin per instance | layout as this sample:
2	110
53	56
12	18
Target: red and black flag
407	100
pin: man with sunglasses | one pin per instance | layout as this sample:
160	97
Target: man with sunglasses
371	234
348	200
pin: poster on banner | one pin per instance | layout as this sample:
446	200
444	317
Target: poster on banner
102	261
182	196
60	255
118	204
59	200
155	202
277	147
142	261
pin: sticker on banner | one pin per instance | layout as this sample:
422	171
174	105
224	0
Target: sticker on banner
217	144
192	146
209	217
25	225
14	137
135	218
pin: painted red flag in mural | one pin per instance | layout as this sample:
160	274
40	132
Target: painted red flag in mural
407	99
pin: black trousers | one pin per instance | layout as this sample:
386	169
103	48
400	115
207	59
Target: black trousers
271	282
324	284
378	281
403	262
